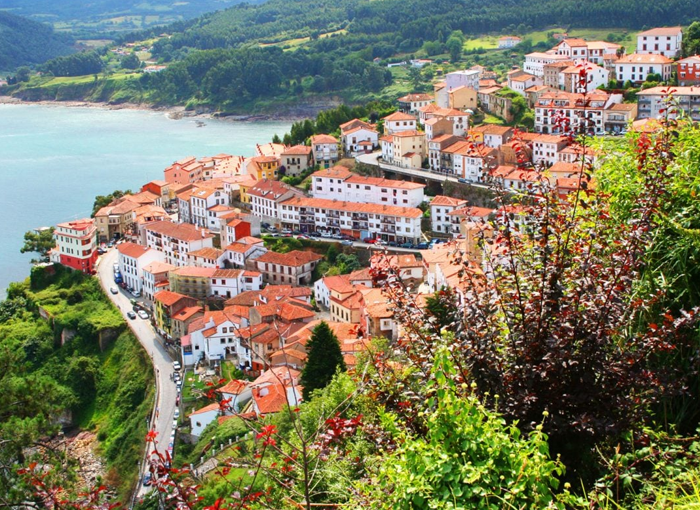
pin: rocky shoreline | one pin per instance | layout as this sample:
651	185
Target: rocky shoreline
179	112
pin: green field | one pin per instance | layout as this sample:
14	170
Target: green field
490	42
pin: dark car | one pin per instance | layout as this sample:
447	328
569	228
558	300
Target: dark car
407	245
392	244
422	246
265	225
131	315
462	180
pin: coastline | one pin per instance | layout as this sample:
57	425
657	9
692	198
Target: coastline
172	112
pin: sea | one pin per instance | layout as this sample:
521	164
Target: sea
54	160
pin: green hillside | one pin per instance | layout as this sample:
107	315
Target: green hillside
26	42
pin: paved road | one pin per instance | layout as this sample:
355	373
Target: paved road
162	362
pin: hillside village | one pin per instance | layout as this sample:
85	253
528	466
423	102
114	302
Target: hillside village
223	256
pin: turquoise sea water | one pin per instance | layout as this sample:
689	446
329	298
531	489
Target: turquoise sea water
54	160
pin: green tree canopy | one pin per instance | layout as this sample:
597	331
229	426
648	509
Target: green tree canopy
38	242
324	359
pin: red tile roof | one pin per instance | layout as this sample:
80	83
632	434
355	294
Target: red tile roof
321	139
132	250
293	258
337	205
180	231
168	298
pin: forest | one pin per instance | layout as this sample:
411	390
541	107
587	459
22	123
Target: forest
26	42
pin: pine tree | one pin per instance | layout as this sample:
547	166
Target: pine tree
324	358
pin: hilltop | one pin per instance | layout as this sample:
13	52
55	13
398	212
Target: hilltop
26	42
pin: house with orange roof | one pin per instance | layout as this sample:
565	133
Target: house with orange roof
155	278
270	149
237	187
275	389
666	41
436	146
238	253
688	71
387	222
508	41
637	66
406	148
595	76
378	314
214	337
473	162
180	322
346	305
358	137
325	148
199	204
186	170
167	304
411	102
323	286
200	418
398	122
261	167
458	119
176	240
238	392
76	244
409	269
296	159
116	220
491	135
581	111
440	207
294	267
362	277
266	196
437	126
546	148
206	257
234	226
522	82
535	62
351	187
132	259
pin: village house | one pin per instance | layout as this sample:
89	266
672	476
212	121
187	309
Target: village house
297	159
459	217
521	82
404	148
339	183
637	67
228	283
458	119
552	108
491	135
399	122
437	126
596	76
206	257
176	241
666	41
387	222
450	159
261	167
180	322
346	304
358	137
533	94
237	187
266	196
194	282
115	221
552	73
688	71
167	304
155	278
275	389
237	392
508	41
496	102
132	260
234	227
411	102
325	149
239	252
213	338
535	62
324	286
436	146
294	267
546	148
200	418
158	188
465	78
377	314
76	245
184	171
198	206
440	207
472	162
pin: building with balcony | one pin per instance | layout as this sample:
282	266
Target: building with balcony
294	267
325	149
563	112
76	244
177	240
656	102
295	160
132	260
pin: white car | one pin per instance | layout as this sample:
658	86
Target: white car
114	290
115	267
177	413
136	293
143	314
176	366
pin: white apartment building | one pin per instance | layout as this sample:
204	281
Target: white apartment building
266	195
666	41
535	62
338	183
76	245
176	240
228	283
248	248
155	278
467	78
411	102
440	207
387	222
636	67
553	107
546	148
570	78
214	337
132	260
521	82
196	206
653	103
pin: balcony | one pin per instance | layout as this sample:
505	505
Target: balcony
388	220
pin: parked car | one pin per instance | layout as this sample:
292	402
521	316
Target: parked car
136	293
286	231
114	290
407	245
147	480
296	232
176	366
303	236
131	315
326	235
462	180
110	244
369	240
345	242
143	314
271	229
100	251
422	246
392	244
174	424
177	413
265	225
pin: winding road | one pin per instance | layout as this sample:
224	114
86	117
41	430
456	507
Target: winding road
162	362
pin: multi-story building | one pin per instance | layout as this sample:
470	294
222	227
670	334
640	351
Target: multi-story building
214	337
472	162
404	148
358	137
338	183
552	76
636	67
491	135
535	62
458	119
198	206
295	160
436	146
261	167
176	241
593	51
194	282
596	76
466	78
247	248
688	71
387	222
546	148
556	112
265	197
658	102
294	267
325	149
666	41
440	207
166	305
184	171
618	116
399	122
411	102
521	82
228	283
508	41
76	244
115	221
133	258
155	278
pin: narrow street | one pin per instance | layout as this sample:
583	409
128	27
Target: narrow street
162	362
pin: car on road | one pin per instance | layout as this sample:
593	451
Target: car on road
110	244
176	366
345	242
178	384
136	293
422	246
303	236
131	315
177	414
462	180
407	245
286	231
143	314
392	244
114	290
147	480
369	240
326	235
272	229
296	232
265	225
174	424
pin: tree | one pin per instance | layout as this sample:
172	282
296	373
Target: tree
22	74
131	61
40	242
104	200
324	360
276	139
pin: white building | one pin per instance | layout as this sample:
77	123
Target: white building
229	283
508	41
359	140
387	222
596	76
213	338
666	41
237	392
200	418
155	278
398	122
132	260
546	148
535	62
411	102
266	195
196	206
338	183
653	103
176	240
553	109
521	82
467	78
247	248
440	207
636	67
325	149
